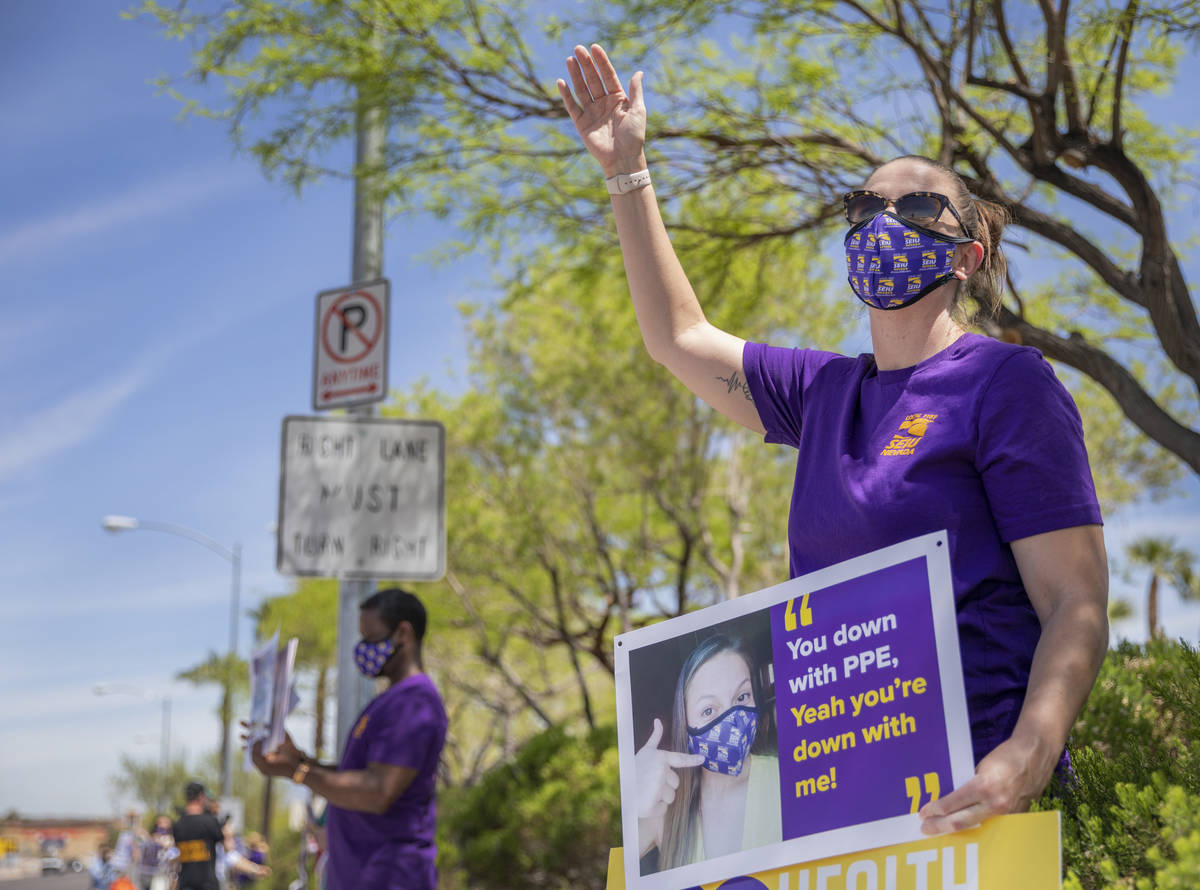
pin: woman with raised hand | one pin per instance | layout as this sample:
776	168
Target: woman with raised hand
937	428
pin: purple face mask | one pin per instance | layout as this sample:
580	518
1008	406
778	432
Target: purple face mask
725	741
371	657
892	263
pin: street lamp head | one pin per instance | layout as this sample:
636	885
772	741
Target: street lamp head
119	523
126	689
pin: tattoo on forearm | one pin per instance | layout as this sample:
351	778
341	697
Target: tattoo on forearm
733	381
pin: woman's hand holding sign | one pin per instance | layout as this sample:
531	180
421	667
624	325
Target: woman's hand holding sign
657	781
1003	783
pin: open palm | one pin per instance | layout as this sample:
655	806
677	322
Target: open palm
611	123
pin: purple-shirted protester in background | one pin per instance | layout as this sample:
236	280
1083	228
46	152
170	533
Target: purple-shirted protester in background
381	817
937	429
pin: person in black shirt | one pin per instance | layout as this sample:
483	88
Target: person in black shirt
197	833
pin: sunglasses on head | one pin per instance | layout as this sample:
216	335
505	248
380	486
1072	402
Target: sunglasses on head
918	208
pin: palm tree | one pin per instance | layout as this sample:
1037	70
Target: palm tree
232	675
1172	564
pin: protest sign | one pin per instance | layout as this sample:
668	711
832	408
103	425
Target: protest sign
272	694
818	715
1005	852
262	687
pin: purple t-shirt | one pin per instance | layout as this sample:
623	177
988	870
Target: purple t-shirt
980	439
403	726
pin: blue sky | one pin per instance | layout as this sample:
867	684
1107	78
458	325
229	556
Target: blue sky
157	297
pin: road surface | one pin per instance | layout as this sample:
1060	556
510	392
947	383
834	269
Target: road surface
48	882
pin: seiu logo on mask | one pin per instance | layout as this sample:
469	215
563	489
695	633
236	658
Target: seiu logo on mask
924	250
726	741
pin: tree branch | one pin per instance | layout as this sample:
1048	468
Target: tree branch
1137	404
1128	18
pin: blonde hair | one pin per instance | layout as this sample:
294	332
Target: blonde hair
681	821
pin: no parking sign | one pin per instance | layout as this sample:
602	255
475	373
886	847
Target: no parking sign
350	350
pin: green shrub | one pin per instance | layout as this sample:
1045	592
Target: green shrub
544	820
1131	818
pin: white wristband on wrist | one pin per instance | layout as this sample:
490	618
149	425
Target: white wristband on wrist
623	183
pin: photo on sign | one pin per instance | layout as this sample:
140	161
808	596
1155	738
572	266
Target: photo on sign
809	719
708	693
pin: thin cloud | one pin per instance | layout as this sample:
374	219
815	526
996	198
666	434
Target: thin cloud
72	420
161	197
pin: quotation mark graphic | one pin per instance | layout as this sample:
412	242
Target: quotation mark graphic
789	616
912	787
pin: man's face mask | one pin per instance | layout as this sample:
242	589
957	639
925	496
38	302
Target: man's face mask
892	263
725	741
371	657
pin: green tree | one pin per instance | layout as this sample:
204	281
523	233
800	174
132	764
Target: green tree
1170	563
143	779
308	613
546	819
591	495
1037	106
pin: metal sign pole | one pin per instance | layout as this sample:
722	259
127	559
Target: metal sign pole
353	689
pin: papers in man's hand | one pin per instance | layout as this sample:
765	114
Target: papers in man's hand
272	694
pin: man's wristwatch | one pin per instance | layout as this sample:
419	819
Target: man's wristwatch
302	769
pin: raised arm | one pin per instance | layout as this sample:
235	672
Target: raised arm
612	126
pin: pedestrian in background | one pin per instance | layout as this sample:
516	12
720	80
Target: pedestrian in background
254	851
197	835
125	853
156	856
102	872
233	865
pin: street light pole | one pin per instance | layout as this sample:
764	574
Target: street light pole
114	524
227	703
164	744
165	755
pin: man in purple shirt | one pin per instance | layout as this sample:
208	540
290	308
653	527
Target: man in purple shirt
936	428
381	816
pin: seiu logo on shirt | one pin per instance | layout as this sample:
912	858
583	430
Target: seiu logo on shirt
911	238
361	727
914	283
906	440
900	262
885	241
928	259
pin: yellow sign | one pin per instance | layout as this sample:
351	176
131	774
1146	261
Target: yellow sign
1020	851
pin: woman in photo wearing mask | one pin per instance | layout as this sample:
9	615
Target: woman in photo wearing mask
936	428
715	789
